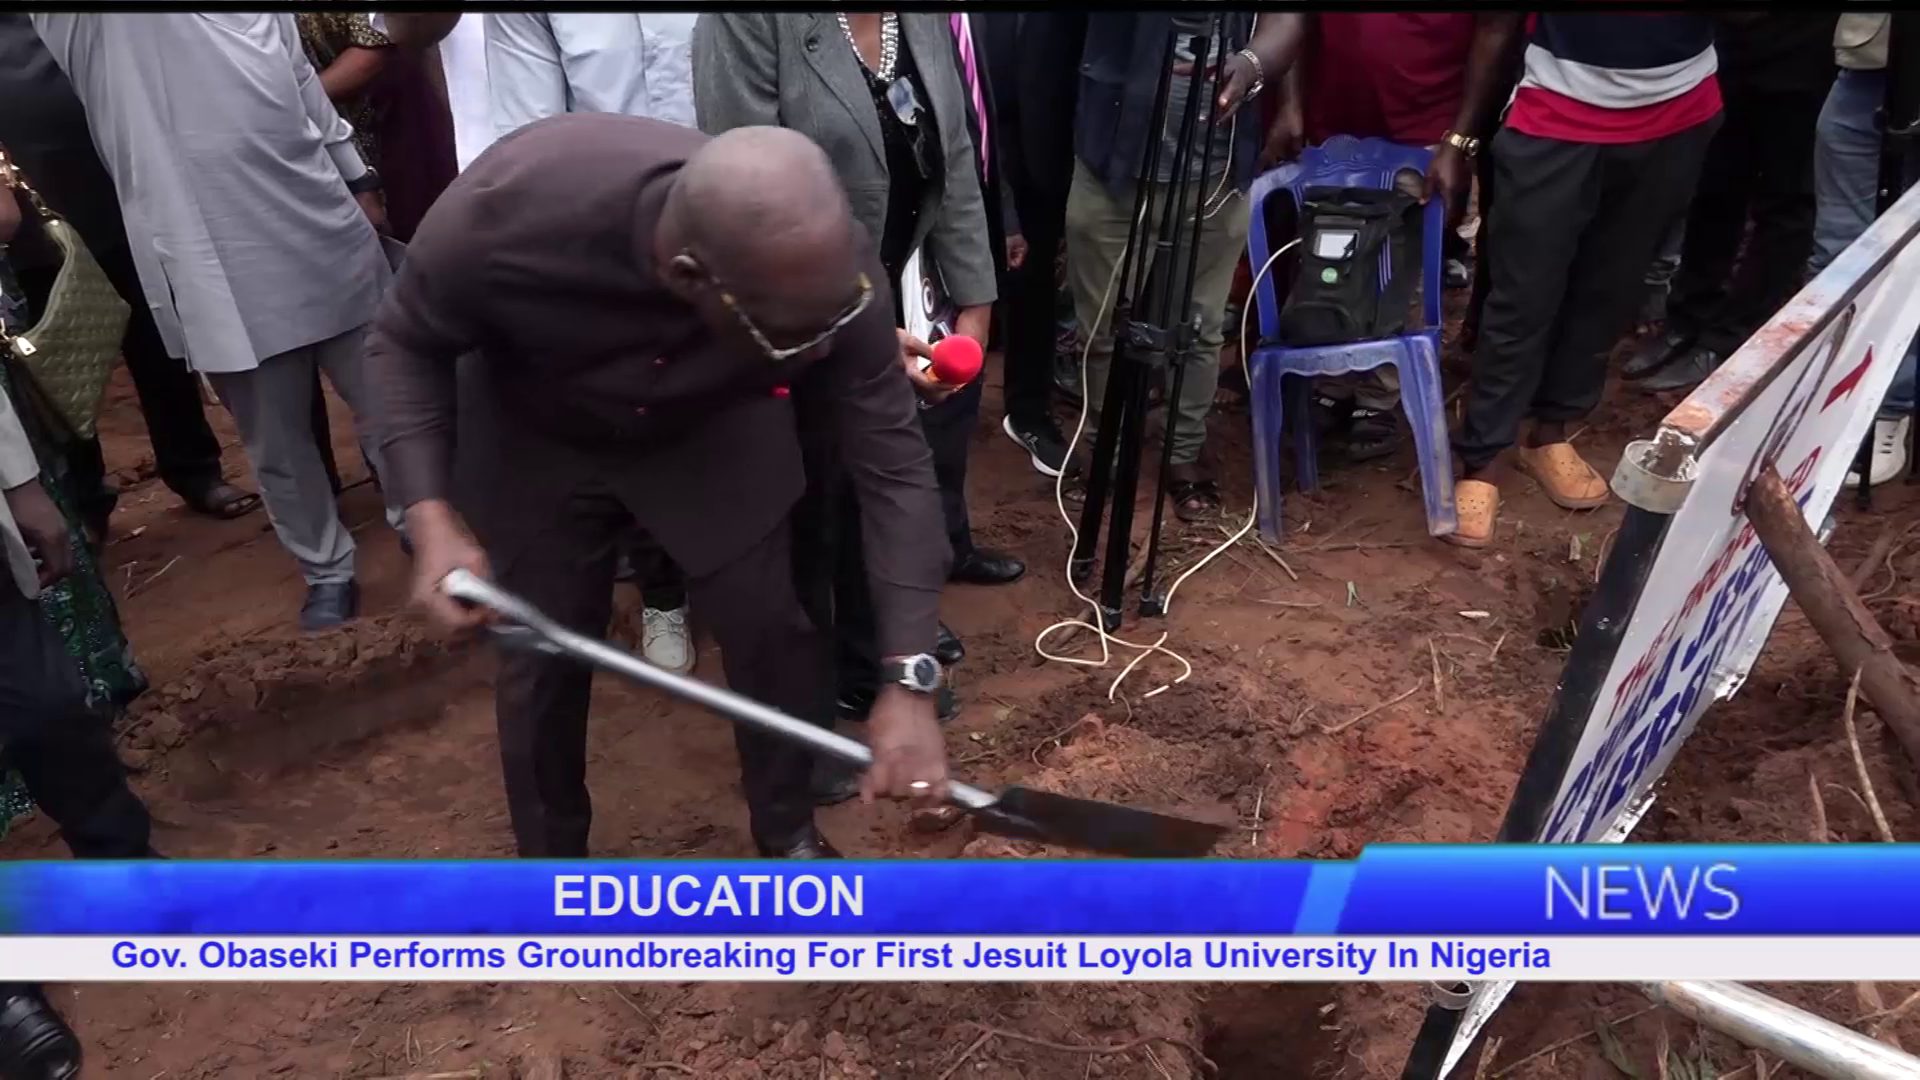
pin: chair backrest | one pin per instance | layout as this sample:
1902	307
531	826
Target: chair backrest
1344	161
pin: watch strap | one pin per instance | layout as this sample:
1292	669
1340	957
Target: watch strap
919	673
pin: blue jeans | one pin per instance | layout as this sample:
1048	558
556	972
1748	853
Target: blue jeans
1846	181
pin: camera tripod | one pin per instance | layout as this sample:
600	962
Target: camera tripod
1154	326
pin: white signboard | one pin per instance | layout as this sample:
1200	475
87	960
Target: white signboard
1800	394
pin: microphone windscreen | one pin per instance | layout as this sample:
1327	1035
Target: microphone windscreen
957	359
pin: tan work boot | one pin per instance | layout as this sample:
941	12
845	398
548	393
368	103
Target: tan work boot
1476	504
1569	481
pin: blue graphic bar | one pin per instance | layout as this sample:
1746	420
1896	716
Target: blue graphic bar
526	897
1489	890
1510	889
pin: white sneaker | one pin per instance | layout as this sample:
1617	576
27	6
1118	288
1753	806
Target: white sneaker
665	642
1889	452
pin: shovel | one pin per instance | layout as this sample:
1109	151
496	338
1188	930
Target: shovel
1017	812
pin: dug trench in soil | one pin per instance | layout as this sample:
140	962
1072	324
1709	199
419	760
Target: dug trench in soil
378	742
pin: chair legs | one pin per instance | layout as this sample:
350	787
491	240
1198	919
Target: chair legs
1306	440
1282	403
1269	422
1426	411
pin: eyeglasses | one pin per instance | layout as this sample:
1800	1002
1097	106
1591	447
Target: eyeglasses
787	352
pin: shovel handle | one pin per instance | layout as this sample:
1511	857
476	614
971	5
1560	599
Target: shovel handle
469	588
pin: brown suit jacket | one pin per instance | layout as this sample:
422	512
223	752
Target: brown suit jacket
540	257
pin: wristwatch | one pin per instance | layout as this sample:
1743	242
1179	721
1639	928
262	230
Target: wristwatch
365	182
919	673
1466	144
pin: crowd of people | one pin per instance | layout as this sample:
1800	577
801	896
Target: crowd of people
627	296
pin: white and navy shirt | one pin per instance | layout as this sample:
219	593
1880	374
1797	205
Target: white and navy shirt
1615	77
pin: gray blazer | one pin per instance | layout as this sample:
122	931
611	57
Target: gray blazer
797	71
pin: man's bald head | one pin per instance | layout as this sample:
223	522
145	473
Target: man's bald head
757	230
760	200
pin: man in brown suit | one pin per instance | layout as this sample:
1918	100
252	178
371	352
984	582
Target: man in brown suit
652	307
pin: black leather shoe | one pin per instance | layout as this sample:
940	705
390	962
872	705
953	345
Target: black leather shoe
983	567
947	648
329	605
1655	353
809	845
35	1043
1692	367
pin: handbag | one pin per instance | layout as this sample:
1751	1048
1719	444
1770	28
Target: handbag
68	355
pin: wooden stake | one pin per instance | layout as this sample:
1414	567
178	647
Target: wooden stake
1834	609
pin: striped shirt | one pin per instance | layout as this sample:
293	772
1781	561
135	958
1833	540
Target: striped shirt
1615	77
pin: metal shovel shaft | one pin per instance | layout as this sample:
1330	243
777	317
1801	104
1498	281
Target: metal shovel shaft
472	589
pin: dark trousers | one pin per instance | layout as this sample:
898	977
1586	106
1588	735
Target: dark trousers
1575	226
662	585
1032	296
559	554
1486	181
1759	168
74	183
62	747
948	428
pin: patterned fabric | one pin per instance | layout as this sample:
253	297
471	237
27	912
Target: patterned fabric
80	608
970	74
327	34
13	302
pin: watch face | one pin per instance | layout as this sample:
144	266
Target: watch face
923	672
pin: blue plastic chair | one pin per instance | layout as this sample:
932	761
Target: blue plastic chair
1344	161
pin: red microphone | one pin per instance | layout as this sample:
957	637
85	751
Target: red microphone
956	359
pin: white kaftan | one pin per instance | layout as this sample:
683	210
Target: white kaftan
231	168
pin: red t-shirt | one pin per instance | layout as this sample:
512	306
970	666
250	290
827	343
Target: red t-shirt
1394	75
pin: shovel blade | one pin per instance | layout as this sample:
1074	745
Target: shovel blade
1106	828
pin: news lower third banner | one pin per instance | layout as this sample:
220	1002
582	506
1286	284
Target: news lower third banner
1547	913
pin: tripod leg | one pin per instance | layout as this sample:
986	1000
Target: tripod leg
1178	302
1113	584
1100	470
1151	602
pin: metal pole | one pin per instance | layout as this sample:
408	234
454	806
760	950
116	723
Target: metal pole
548	636
1795	1036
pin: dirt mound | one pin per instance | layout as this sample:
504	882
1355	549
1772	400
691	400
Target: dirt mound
865	1032
264	703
